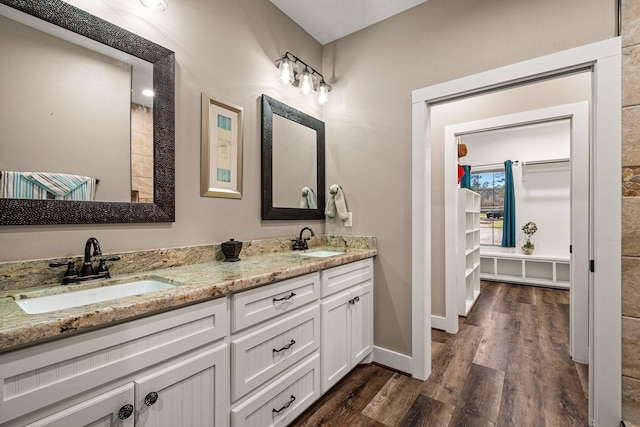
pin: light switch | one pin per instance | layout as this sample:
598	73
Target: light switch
349	221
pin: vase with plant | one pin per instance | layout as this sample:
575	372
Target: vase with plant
529	229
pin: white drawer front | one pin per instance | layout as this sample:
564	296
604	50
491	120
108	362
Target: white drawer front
266	352
283	400
260	304
50	372
337	279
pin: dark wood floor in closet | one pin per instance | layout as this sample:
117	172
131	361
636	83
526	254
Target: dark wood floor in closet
509	365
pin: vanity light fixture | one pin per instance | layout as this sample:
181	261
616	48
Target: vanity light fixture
148	92
293	70
158	5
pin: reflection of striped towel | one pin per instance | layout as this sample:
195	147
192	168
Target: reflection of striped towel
44	185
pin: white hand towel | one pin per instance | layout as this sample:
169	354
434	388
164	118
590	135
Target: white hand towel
308	199
337	203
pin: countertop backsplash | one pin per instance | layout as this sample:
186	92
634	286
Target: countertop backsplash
20	275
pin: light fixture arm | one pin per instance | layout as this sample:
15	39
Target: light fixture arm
294	59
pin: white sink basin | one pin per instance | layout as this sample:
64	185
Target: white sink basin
321	254
46	304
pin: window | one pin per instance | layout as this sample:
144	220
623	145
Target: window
490	186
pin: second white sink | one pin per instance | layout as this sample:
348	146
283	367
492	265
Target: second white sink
321	254
48	303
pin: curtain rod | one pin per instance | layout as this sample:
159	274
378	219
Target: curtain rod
515	162
544	162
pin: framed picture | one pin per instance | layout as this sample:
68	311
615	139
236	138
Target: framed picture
221	169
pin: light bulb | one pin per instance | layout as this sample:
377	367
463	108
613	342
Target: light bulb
306	82
323	93
159	5
285	71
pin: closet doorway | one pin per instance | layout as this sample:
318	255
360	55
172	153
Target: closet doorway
550	147
603	61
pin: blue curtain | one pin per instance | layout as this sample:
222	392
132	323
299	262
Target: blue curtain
465	181
509	223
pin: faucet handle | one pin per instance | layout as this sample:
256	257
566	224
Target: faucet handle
71	267
102	265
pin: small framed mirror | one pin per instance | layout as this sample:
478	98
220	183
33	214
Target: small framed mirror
293	162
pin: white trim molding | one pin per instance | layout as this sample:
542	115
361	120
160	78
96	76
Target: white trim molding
392	359
603	59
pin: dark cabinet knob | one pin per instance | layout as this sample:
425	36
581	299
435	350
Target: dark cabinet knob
125	412
151	398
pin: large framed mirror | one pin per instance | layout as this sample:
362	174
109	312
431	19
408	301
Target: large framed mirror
48	136
292	163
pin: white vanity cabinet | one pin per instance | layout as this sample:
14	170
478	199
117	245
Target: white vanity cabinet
90	379
274	352
259	357
347	319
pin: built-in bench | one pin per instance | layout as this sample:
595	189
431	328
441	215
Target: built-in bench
510	266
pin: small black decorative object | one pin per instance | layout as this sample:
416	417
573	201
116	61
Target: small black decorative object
231	249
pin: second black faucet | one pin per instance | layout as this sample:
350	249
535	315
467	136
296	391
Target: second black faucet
300	244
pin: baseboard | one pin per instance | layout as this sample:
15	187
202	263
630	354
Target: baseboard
394	360
438	322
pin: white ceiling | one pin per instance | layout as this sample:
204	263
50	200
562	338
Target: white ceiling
329	20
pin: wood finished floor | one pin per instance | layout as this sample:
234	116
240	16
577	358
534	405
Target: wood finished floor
508	365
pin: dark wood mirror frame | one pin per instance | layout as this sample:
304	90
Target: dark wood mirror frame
270	107
49	212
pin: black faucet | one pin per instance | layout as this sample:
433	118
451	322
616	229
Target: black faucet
87	273
87	266
300	244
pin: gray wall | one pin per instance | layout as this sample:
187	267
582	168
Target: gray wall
226	48
369	114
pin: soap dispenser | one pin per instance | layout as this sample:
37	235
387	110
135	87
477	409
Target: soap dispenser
231	249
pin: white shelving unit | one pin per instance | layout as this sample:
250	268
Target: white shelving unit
468	249
551	271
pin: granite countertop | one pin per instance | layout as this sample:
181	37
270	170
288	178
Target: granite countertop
194	283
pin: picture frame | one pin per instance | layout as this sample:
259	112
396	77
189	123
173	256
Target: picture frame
221	154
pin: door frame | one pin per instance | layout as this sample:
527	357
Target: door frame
604	59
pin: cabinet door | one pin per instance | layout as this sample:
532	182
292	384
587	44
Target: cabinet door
361	322
192	392
335	339
100	411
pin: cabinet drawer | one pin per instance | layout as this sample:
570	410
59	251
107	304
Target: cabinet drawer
265	352
283	400
337	279
48	373
260	304
101	410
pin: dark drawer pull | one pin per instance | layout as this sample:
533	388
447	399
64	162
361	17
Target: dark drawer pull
286	347
286	405
291	295
357	299
352	301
